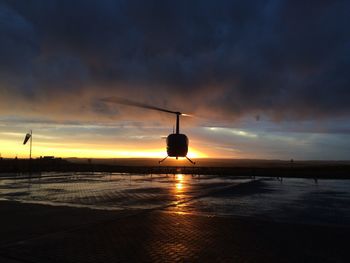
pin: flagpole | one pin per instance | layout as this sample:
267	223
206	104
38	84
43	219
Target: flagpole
30	153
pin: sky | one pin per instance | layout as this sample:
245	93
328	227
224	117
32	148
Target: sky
261	79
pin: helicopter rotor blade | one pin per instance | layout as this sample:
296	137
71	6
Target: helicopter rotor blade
137	104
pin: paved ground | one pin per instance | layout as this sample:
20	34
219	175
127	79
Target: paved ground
36	233
165	219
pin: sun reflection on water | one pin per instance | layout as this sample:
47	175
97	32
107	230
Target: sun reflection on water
179	191
179	186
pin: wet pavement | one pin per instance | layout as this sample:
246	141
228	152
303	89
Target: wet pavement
56	217
110	191
290	199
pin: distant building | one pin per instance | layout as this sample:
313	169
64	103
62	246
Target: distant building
49	157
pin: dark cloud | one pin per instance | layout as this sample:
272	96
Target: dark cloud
286	59
18	49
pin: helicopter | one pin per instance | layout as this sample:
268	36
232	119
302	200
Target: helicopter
177	143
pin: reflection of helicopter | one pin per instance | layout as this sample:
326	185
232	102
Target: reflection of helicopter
177	143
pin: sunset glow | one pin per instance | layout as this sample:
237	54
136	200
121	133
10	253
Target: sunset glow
13	148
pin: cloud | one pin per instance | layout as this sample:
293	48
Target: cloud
18	48
228	59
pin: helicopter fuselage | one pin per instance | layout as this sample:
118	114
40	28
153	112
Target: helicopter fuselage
177	145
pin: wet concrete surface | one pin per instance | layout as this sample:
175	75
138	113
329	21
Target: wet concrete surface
110	191
143	218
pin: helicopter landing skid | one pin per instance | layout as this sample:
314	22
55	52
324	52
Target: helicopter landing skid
190	160
162	160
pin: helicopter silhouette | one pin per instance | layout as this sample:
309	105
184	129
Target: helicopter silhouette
177	143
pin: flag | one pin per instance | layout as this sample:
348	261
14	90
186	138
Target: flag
26	138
